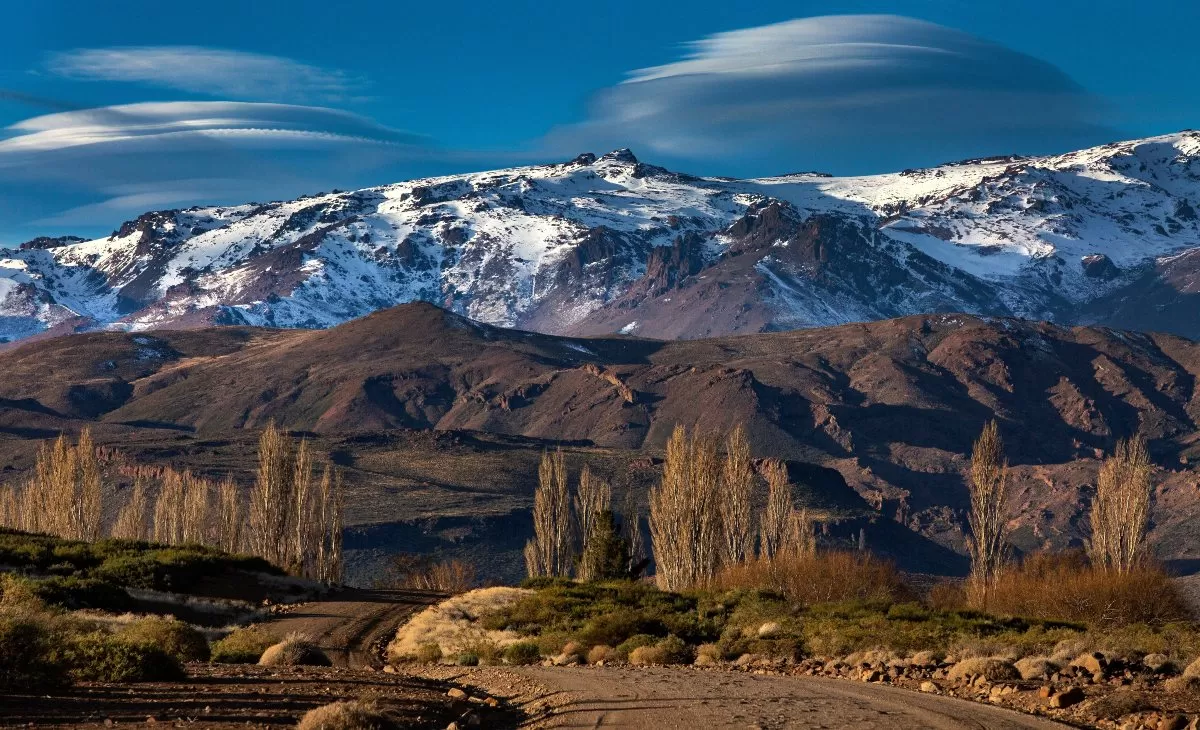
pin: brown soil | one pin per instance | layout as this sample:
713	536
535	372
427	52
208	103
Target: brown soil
350	628
656	698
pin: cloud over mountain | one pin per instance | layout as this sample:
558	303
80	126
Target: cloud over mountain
796	93
214	71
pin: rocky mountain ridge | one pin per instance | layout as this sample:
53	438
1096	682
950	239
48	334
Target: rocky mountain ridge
1108	235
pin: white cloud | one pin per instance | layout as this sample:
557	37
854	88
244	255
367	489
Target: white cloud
840	92
129	124
86	168
214	71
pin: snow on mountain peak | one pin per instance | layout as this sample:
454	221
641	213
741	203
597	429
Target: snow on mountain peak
597	243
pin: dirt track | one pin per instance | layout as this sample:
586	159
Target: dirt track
353	627
663	698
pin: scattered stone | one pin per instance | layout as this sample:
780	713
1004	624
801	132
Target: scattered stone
1045	691
924	659
1093	664
990	668
1173	722
389	669
456	694
928	686
1159	663
1035	667
1068	697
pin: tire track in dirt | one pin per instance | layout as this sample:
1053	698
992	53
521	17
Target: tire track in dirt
354	625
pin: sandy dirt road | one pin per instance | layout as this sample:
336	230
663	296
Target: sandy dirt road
664	698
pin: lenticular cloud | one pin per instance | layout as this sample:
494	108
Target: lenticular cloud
788	93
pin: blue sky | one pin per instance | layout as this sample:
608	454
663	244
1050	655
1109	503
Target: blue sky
267	100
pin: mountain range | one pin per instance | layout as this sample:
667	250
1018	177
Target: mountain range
594	246
437	417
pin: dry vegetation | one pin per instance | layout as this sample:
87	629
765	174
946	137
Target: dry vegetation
452	627
1121	508
989	513
578	533
293	519
701	514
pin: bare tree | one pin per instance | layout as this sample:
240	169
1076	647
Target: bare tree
989	512
631	528
330	566
301	522
736	497
685	518
133	521
593	498
550	551
64	497
776	519
1121	508
169	509
799	538
89	489
271	498
230	517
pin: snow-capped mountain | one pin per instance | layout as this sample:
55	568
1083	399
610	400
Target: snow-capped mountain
1105	235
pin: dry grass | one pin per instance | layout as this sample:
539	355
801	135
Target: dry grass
176	638
1065	587
244	645
423	572
452	625
351	715
809	579
670	650
1121	508
1036	667
295	650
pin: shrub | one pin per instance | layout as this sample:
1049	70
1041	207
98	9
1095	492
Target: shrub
101	657
429	653
627	647
947	596
294	651
1036	667
243	646
355	715
176	638
488	651
810	579
671	650
522	652
28	661
602	653
708	655
993	669
425	572
467	659
455	624
1065	588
